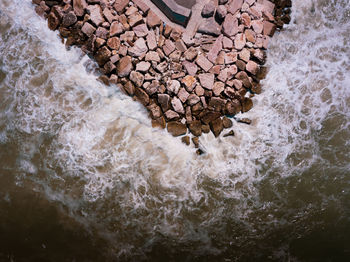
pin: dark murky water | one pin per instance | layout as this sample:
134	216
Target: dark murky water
84	177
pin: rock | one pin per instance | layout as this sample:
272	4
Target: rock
79	7
193	99
240	41
143	66
168	47
164	101
222	2
204	63
88	29
171	115
151	40
102	55
186	140
217	103
231	133
135	19
177	128
159	122
221	12
269	28
139	48
246	20
252	67
96	14
177	105
210	27
113	43
176	34
162	67
208	10
137	78
267	5
244	121
152	19
230	58
175	56
250	35
152	56
180	45
207	80
124	66
244	55
216	126
230	25
109	67
140	30
109	16
142	96
173	86
234	6
101	32
216	48
155	111
206	128
227	43
233	107
129	88
183	95
69	19
53	21
258	26
189	82
191	54
195	128
247	104
99	42
141	5
116	29
218	88
191	68
244	78
227	123
120	5
199	90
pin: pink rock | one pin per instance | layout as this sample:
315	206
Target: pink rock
193	99
109	16
79	7
252	67
139	48
180	45
216	48
218	88
206	80
199	90
141	5
151	40
230	25
116	29
204	63
124	66
152	56
120	5
230	57
246	20
223	75
240	41
267	5
88	29
152	19
269	28
191	68
96	14
143	66
183	95
171	115
257	26
177	105
168	47
227	43
235	5
173	86
140	30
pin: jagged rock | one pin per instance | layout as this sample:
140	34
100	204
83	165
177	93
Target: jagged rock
152	19
186	140
207	80
135	19
69	19
269	28
96	14
208	116
216	48
129	88
168	47
124	66
102	55
137	78
204	63
79	7
143	66
141	30
113	43
258	26
183	95
230	25
171	115
216	126
218	88
155	111
234	6
231	133
210	27
221	12
88	29
164	101
217	103
191	54
180	45
189	82
177	105
53	21
244	121
101	32
120	5
247	104
252	67
177	128
140	48
109	16
240	41
151	40
116	29
191	68
227	123
142	96
246	20
208	10
193	99
152	56
195	128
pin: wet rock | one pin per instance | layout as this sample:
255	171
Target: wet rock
195	128
207	80
244	121
208	116
69	19
155	111
247	104
195	141
129	88
227	123
164	101
102	56
231	133
217	104
216	126
186	140
208	10
52	21
159	122
233	107
171	115
142	96
252	67
124	66
177	128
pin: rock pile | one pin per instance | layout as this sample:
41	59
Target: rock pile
184	83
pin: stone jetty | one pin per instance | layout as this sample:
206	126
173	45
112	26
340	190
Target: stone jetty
188	84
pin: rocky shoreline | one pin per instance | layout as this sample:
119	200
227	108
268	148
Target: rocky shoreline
194	84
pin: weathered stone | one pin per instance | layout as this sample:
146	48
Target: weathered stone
141	5
221	12
204	63
154	110
175	56
258	26
142	96
210	27
96	14
191	68
199	90
189	82
230	58
141	30
102	55
217	103
208	10
216	48
116	29
137	78
124	66
164	101
186	140
250	35
183	95
176	34
233	107
151	40
159	122
218	88
79	7
269	28
173	86
227	43
176	128
252	67
168	47
162	67
99	42
267	5
247	104
244	78
131	10
171	115
246	20
88	29
244	121
152	19
129	88
230	25
53	21
177	105
152	56
227	123
180	45
101	32
143	66
69	19
193	99
135	19
113	43
216	126
234	6
109	67
231	133
139	48
109	16
195	128
120	5
191	54
207	80
240	41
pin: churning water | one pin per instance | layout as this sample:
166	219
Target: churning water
84	177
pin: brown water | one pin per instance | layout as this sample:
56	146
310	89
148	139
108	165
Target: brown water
84	177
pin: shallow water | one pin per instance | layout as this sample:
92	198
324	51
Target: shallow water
84	177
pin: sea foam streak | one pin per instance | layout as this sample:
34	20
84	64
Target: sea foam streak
115	171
